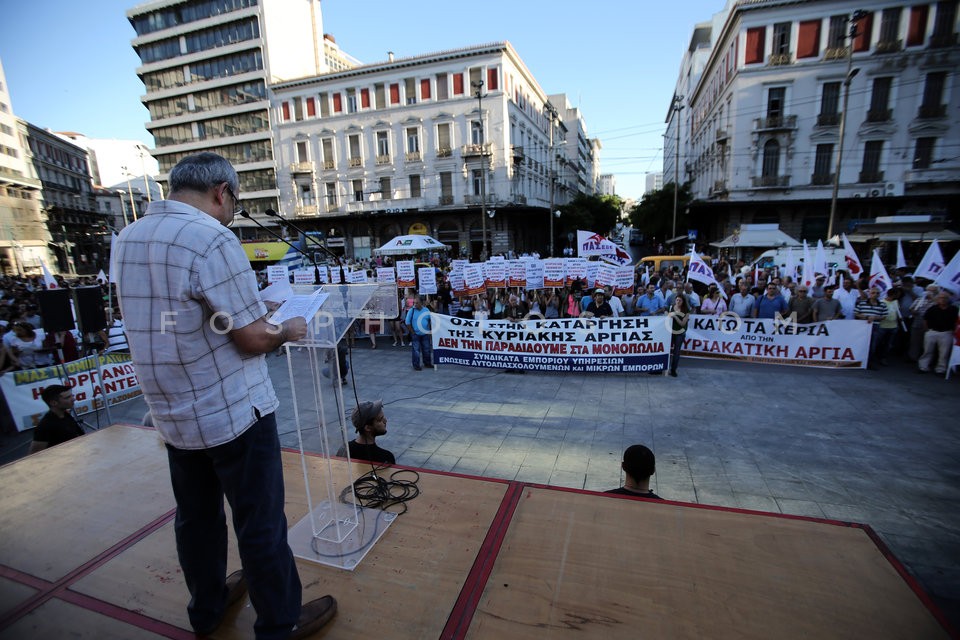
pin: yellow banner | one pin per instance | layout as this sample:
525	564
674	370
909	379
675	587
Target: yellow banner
266	251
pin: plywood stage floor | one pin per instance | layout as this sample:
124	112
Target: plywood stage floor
87	551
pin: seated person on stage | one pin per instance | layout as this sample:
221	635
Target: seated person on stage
638	465
57	425
369	421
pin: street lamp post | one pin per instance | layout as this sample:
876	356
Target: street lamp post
553	173
123	207
133	208
478	86
143	167
851	72
677	107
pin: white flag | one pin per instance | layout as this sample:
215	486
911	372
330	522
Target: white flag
901	261
790	268
932	264
48	280
807	279
820	260
701	272
879	277
850	256
950	278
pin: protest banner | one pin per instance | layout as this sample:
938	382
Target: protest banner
457	285
386	275
357	277
303	276
606	275
835	344
406	274
495	274
576	269
625	279
277	272
516	273
22	389
534	274
474	284
554	272
428	281
592	269
616	345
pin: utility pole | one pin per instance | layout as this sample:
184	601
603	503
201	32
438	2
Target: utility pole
553	174
851	72
677	107
478	87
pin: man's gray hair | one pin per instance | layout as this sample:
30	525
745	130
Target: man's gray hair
203	171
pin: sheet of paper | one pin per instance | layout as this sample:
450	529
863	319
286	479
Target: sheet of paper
304	306
277	292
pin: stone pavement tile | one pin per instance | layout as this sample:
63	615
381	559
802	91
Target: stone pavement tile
552	433
412	458
518	443
480	448
537	458
757	502
715	496
571	462
497	469
537	475
428	445
450	448
512	457
673	493
800	508
789	489
471	466
752	483
601	482
524	430
440	462
572	479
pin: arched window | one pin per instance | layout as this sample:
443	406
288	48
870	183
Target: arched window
771	159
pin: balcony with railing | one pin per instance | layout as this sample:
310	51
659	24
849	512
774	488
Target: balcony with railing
382	159
301	167
329	165
719	187
834	53
444	152
775	122
931	111
413	156
446	200
770	182
870	177
475	199
779	59
474	150
722	136
356	162
888	46
518	154
306	210
820	179
828	119
879	115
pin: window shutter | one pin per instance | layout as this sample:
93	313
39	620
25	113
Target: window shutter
864	27
285	108
337	103
395	93
493	82
754	50
458	84
918	25
425	89
808	44
364	98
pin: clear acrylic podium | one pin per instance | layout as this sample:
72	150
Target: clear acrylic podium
336	531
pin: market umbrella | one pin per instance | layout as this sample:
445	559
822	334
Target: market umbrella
410	244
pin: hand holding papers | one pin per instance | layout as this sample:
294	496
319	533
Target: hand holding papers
303	306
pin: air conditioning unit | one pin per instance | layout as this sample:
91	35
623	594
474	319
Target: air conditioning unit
858	195
875	193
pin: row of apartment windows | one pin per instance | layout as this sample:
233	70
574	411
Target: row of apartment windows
186	13
203	70
409	91
809	40
224	127
58	156
208	100
203	40
6	130
9	151
257	151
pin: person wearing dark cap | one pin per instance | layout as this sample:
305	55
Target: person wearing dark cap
598	307
638	465
369	421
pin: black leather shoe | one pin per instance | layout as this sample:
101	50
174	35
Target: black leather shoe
314	616
236	587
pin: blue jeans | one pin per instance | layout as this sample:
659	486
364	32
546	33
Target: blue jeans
422	343
248	472
676	342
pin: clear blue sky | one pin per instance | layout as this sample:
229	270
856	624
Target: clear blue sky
70	67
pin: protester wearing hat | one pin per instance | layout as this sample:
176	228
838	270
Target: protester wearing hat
369	421
598	307
816	291
638	465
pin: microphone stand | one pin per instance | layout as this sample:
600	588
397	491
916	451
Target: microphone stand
274	214
316	270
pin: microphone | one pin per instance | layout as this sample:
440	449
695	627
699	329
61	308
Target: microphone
243	213
274	214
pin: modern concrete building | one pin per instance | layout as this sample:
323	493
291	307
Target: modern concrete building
653	182
455	144
608	184
206	67
761	106
120	164
24	237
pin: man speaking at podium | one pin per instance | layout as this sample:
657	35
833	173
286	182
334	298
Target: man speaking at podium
197	332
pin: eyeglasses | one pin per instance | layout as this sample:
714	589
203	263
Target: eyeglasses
237	207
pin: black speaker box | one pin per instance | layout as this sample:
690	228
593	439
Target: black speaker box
89	306
55	310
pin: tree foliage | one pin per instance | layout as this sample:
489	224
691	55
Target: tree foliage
653	215
591	213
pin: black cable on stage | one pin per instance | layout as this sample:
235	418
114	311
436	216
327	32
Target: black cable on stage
374	492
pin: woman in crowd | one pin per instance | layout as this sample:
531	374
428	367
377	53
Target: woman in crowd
679	317
26	347
551	305
712	303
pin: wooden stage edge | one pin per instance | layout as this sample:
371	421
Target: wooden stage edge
32	591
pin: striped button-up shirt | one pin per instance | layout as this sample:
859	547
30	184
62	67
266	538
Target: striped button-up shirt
183	283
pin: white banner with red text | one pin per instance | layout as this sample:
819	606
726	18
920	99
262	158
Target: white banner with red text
22	389
570	344
835	344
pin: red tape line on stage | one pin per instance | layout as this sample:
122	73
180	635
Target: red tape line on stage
462	614
56	589
127	616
